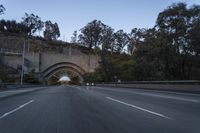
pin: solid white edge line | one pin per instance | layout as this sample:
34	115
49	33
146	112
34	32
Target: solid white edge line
139	108
14	110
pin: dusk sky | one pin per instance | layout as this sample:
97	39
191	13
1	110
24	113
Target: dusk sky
72	15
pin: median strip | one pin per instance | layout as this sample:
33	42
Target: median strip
139	108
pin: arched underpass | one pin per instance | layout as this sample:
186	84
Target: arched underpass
53	74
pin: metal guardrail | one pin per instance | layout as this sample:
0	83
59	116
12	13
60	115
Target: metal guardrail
188	86
155	82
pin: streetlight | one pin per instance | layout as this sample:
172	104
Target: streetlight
115	80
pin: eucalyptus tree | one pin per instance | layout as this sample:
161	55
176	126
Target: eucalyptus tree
2	9
51	31
74	38
12	26
33	23
180	26
120	41
107	38
135	38
91	34
194	32
175	22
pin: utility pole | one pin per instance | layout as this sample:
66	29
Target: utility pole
22	72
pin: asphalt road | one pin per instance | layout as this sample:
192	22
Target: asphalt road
73	109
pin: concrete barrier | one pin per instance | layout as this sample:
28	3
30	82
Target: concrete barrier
187	86
4	87
9	93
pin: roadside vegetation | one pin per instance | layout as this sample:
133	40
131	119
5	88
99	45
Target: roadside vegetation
168	51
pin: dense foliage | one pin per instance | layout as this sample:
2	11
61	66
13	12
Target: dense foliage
31	25
168	51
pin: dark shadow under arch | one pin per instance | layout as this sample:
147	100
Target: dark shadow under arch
47	73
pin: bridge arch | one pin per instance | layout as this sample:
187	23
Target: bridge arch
58	70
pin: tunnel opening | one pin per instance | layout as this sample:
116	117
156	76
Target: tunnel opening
64	76
53	74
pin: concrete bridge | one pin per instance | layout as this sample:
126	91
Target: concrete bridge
51	65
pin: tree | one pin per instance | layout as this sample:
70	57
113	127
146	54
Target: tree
2	25
107	38
91	34
12	26
52	31
194	31
2	9
180	26
135	39
33	23
175	21
74	38
120	41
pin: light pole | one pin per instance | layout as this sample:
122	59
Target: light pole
70	50
22	72
115	77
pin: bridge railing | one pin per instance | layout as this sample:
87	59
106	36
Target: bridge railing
10	52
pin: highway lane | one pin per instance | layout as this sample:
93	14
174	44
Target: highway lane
182	108
73	109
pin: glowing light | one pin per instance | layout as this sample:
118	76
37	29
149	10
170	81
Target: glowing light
64	79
